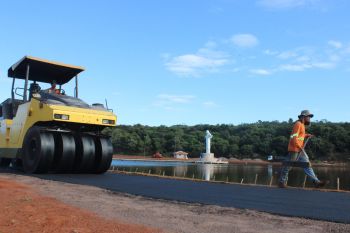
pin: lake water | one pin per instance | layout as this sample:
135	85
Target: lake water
236	172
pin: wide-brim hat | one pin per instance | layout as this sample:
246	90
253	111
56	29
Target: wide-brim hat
306	113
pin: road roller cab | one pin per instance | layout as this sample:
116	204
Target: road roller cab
48	131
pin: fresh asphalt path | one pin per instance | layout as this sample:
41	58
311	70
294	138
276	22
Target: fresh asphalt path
313	204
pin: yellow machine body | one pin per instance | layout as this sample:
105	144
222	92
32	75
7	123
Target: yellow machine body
12	132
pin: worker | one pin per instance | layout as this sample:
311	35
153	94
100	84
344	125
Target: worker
53	89
295	146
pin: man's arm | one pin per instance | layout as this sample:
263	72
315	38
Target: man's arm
295	135
308	135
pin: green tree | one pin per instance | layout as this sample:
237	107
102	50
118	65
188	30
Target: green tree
332	140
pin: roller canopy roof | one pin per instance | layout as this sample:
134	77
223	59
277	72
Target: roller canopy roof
43	70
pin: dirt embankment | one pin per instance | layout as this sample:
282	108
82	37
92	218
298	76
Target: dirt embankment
63	207
24	210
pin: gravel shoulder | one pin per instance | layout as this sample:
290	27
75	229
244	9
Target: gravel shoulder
166	215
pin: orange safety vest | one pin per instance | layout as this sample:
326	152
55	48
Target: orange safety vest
296	142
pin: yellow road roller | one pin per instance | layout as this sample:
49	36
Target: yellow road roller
47	130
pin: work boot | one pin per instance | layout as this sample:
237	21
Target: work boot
282	185
320	184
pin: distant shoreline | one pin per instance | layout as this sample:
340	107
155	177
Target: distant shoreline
231	161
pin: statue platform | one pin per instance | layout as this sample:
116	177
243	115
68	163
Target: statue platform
209	158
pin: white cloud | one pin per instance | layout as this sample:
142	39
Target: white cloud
305	66
209	104
303	58
294	67
211	59
236	69
210	44
244	40
285	4
182	99
335	44
207	59
324	65
299	54
212	54
287	55
171	102
193	64
270	52
176	98
261	71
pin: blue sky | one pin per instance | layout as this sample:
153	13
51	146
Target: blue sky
191	61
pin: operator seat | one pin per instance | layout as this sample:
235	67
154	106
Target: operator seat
33	89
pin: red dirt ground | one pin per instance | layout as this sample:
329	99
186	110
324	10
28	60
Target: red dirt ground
24	210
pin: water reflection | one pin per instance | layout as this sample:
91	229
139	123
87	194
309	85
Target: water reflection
269	170
206	171
236	172
180	171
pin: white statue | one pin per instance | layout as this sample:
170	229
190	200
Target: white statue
208	136
208	157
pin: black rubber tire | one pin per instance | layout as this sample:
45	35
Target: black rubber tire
38	151
5	162
64	153
84	154
104	154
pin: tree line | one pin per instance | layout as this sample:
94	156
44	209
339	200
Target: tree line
255	140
